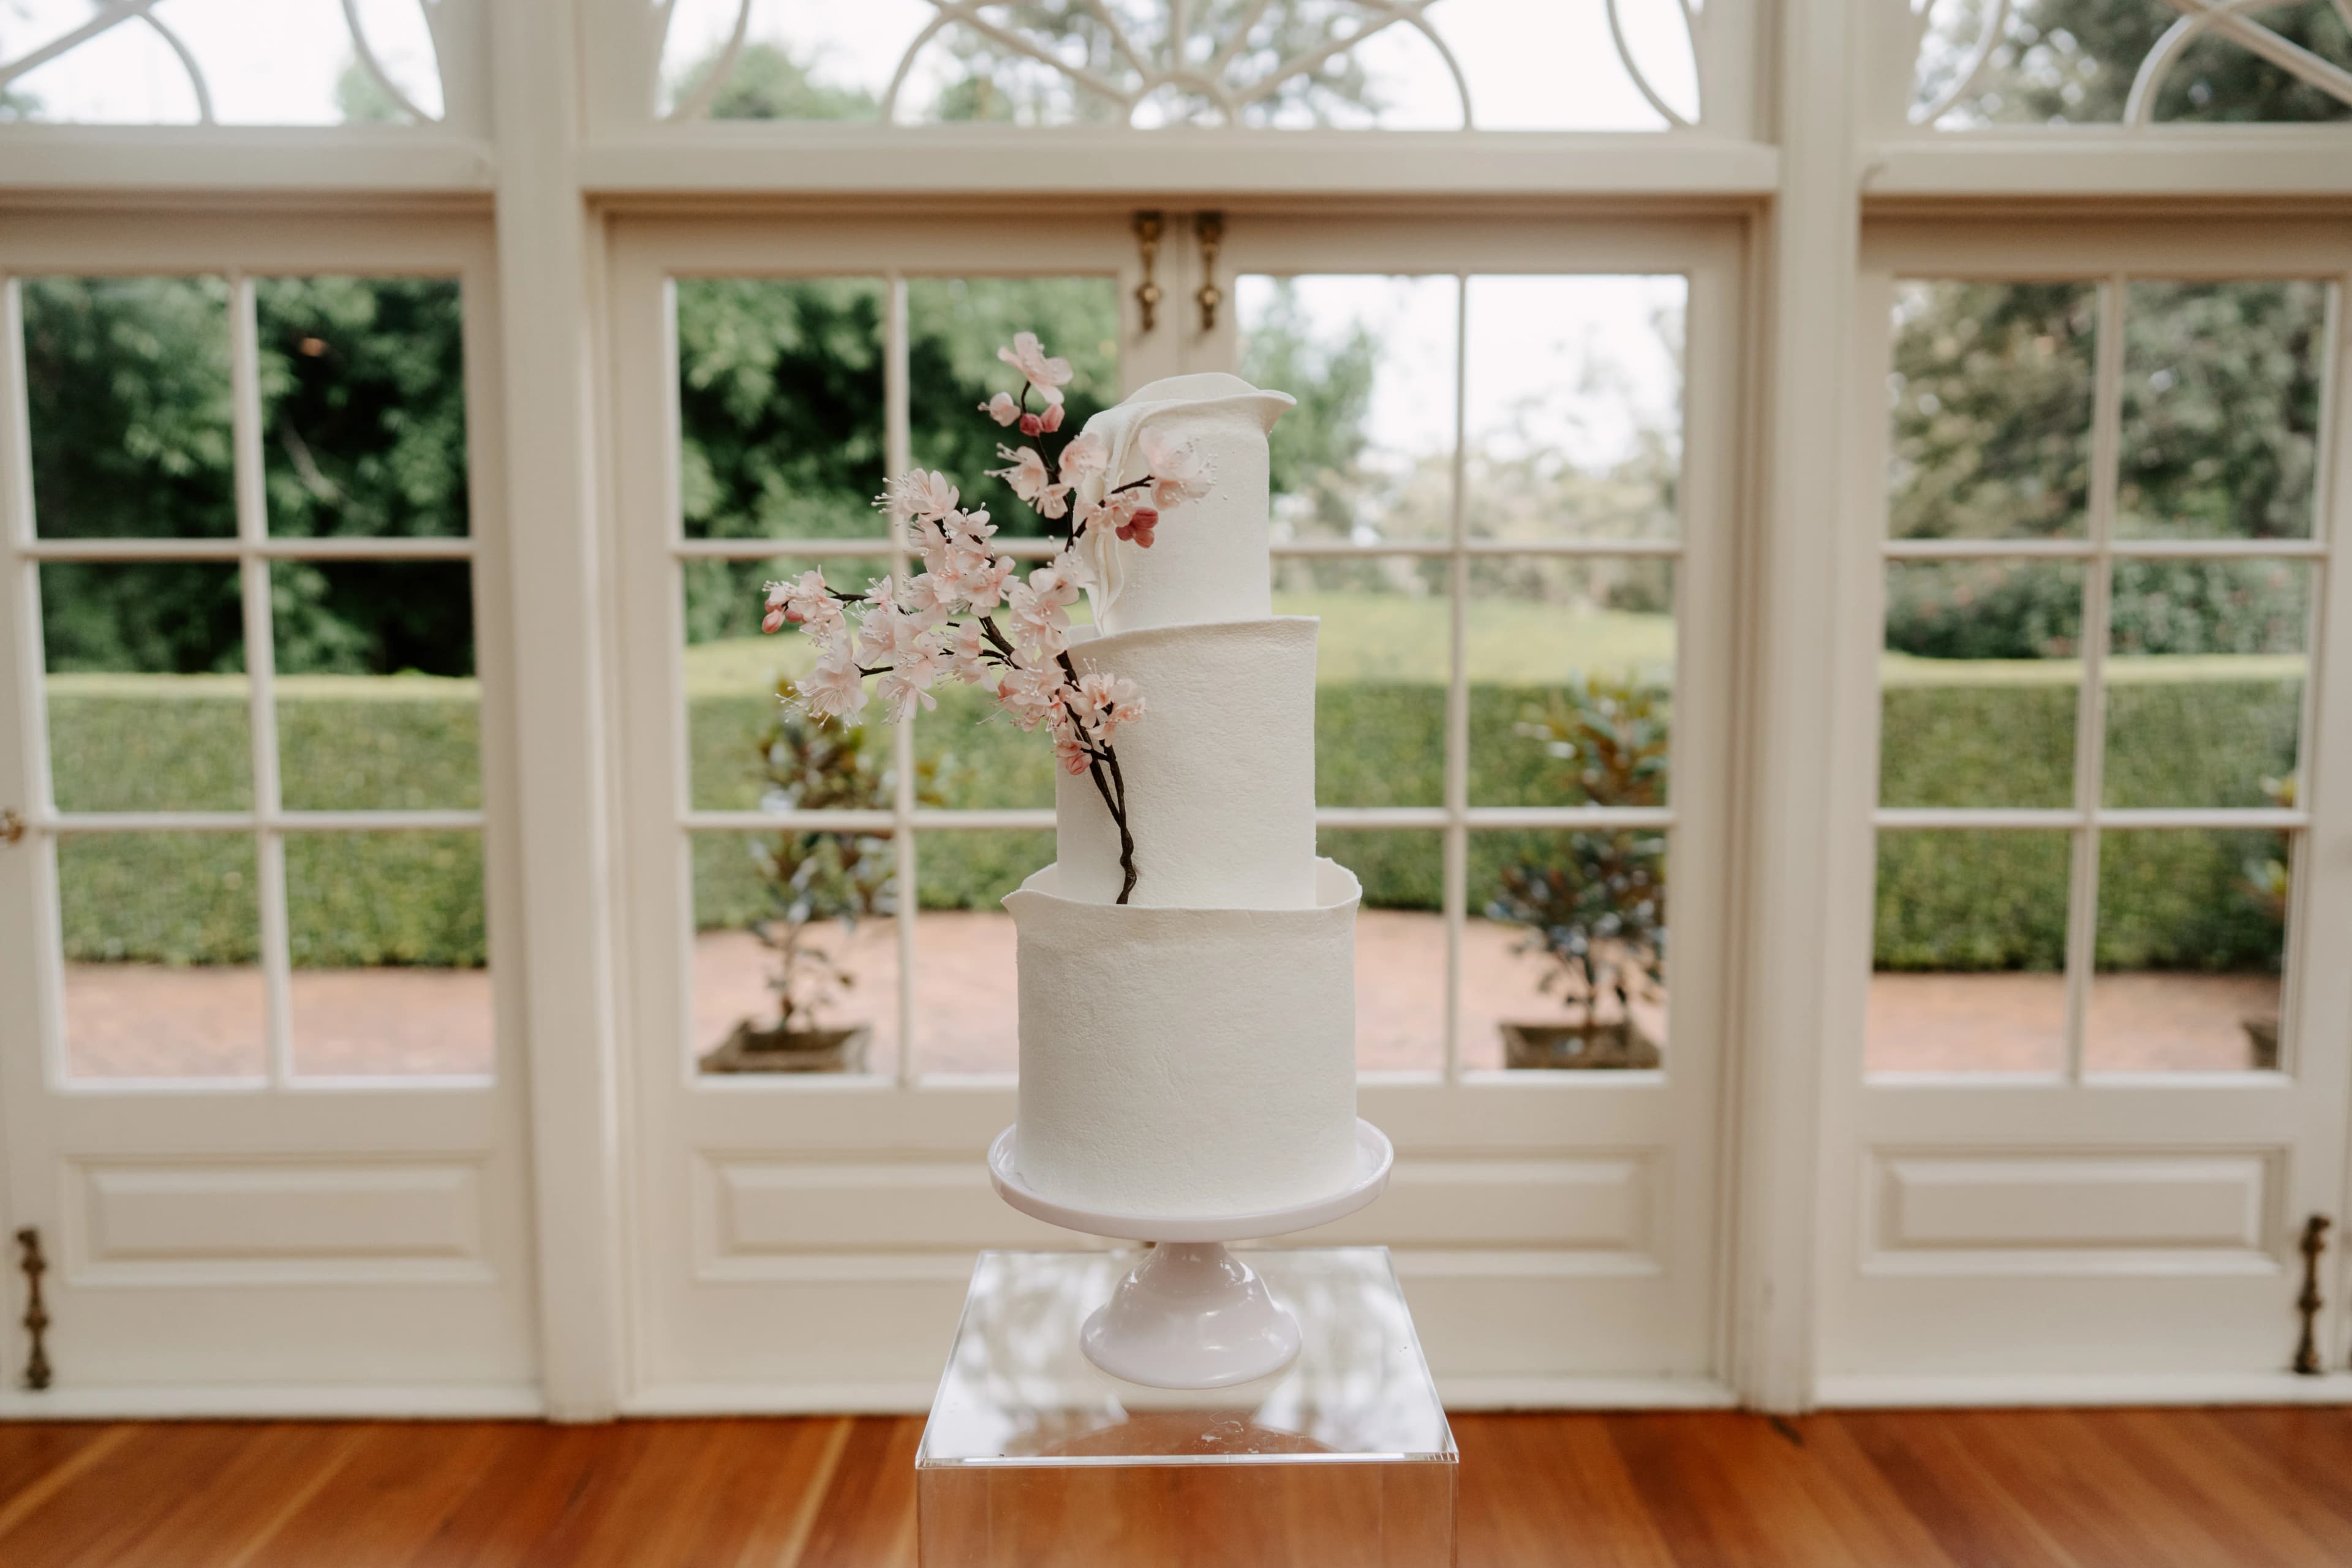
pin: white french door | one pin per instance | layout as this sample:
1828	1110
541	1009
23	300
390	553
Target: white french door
2097	684
259	1059
1509	499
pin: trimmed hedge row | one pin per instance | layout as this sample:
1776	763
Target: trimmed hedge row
1948	901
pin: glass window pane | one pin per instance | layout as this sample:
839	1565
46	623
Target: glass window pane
1367	455
2221	409
1969	955
733	672
391	953
1381	663
162	945
780	407
362	407
1980	683
966	1001
2205	685
2192	939
147	695
1527	67
1571	679
1991	399
954	327
2077	61
1574	406
1564	963
1399	946
378	707
795	953
127	389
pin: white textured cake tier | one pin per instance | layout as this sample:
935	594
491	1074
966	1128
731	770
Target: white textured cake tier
1187	1062
1208	561
1220	770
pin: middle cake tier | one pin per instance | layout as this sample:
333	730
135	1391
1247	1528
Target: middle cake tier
1219	773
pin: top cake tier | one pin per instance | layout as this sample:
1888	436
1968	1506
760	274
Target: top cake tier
1209	560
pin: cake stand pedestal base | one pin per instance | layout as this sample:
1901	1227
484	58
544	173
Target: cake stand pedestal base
1033	1456
1191	1314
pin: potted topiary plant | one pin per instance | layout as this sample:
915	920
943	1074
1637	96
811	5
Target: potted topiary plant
1598	912
815	880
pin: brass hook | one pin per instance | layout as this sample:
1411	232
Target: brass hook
1148	293
12	825
1211	227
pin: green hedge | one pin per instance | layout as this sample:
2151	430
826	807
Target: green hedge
1974	900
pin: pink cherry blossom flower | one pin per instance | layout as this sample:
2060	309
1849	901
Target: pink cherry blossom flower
1086	457
965	652
1069	750
903	686
1025	471
984	586
1052	418
1001	409
1027	355
1104	703
1178	472
918	494
1138	526
1030	692
1033	424
834	689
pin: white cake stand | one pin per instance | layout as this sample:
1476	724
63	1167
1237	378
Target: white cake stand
1191	1314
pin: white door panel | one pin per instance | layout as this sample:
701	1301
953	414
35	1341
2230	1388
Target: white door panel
805	1241
329	1232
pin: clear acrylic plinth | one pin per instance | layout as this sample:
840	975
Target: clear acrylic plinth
1033	1458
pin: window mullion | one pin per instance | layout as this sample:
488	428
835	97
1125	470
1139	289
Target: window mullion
2090	712
261	671
898	457
1457	895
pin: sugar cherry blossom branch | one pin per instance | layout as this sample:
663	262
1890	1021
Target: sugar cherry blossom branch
910	631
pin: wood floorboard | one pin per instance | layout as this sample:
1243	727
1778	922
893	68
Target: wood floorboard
2123	1488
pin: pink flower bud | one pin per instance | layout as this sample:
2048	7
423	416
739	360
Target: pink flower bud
772	621
1053	418
1031	425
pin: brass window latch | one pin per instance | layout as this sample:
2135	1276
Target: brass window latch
12	825
1211	227
2307	1349
1148	293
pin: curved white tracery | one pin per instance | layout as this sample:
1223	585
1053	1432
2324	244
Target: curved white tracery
374	66
1691	23
696	104
2228	18
1989	37
115	13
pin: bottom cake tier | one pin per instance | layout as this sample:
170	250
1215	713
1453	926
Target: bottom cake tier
1182	1062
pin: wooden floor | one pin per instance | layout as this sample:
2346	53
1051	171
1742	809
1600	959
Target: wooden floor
1999	1489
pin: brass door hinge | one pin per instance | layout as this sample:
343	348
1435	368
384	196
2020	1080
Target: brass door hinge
37	1316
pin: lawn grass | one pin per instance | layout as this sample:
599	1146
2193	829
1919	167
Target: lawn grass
2203	732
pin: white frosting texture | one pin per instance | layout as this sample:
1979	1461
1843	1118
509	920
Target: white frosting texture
1187	1062
1220	770
1209	557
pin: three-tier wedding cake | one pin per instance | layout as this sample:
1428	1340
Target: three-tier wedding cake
1191	1051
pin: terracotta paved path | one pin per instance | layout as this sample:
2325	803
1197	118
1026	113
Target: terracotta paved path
142	1020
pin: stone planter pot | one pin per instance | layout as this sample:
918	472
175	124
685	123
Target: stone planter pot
1618	1044
750	1049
